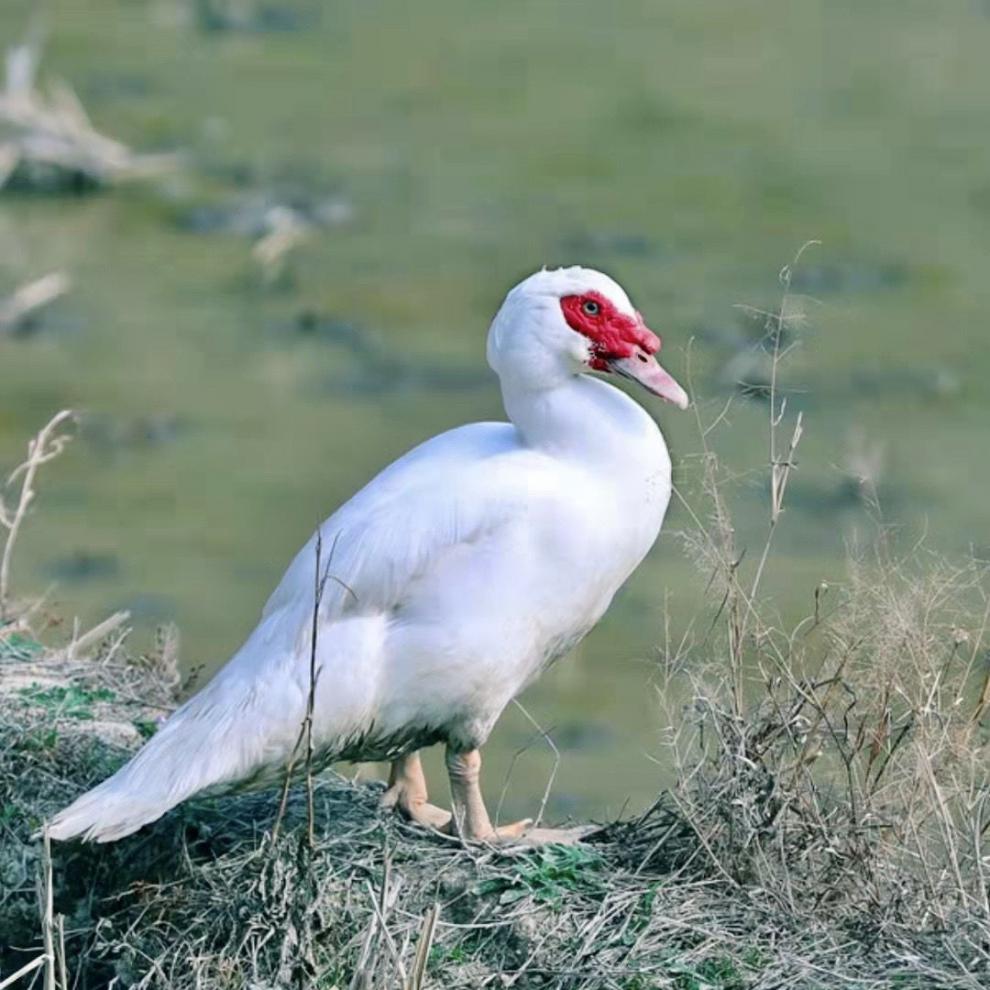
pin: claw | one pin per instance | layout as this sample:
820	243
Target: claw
557	836
509	833
501	834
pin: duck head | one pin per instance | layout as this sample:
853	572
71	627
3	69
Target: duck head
569	321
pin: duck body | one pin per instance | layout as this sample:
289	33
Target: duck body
449	583
539	545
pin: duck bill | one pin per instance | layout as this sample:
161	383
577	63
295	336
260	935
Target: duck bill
644	369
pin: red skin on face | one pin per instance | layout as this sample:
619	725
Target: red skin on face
613	335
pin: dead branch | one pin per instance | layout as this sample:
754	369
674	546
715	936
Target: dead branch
46	136
23	305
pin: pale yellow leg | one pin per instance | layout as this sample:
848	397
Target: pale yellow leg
407	792
470	820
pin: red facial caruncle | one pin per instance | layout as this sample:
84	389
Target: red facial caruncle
621	344
613	335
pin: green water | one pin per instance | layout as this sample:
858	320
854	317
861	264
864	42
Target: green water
689	148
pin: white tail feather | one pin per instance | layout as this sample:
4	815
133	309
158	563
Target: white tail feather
230	731
181	760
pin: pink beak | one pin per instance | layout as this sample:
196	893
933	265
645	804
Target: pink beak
644	368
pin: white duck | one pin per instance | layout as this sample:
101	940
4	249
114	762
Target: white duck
458	575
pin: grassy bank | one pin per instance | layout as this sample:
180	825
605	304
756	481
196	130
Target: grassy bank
826	829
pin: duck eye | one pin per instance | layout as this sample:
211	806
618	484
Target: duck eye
591	308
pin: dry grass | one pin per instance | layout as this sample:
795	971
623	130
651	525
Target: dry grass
20	311
47	141
826	828
849	794
801	847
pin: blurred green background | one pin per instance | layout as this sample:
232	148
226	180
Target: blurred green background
435	153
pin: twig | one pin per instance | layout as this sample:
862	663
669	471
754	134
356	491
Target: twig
780	467
319	582
80	643
545	735
305	735
25	970
417	978
44	447
19	307
47	910
63	973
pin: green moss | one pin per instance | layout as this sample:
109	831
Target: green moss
71	701
715	973
145	727
549	875
17	646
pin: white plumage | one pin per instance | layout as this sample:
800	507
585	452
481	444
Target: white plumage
457	575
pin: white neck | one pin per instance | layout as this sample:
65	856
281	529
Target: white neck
582	418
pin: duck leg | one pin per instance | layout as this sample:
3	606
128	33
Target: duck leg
470	819
407	792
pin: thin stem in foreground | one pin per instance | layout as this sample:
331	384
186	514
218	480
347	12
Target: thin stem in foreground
44	447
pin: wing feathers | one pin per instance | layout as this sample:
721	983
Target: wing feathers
453	490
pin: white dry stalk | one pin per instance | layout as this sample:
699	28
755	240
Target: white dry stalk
81	642
25	301
427	933
44	447
321	576
780	466
25	970
544	734
46	909
53	128
739	604
285	230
